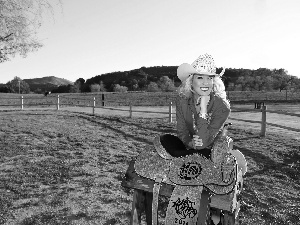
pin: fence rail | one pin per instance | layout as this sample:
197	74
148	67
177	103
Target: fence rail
92	104
63	101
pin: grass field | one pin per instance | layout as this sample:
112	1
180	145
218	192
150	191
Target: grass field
63	167
236	117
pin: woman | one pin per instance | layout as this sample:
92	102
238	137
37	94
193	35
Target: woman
201	108
201	111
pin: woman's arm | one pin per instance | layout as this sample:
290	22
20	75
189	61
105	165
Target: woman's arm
208	131
182	129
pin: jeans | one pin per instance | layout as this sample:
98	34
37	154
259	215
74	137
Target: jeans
176	148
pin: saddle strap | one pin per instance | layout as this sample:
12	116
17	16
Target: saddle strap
204	208
184	205
156	189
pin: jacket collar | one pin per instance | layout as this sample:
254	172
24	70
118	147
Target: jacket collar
210	104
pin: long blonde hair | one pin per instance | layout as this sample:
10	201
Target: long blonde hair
185	89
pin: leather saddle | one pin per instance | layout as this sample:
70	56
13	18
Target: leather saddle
190	170
192	175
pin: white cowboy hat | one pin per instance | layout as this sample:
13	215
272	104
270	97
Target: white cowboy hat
204	65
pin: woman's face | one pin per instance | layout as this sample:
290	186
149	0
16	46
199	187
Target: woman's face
202	84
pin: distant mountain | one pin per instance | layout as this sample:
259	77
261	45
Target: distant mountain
46	83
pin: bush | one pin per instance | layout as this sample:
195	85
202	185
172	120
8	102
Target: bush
119	88
153	87
166	84
95	88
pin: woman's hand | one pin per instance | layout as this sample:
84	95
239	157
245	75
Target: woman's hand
196	143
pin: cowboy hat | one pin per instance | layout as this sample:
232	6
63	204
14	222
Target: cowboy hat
204	65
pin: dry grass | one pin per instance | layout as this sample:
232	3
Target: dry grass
59	167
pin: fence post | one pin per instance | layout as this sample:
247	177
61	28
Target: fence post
22	102
130	110
57	102
170	112
263	121
94	105
103	100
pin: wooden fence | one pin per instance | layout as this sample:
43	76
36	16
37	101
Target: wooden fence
102	102
263	121
91	104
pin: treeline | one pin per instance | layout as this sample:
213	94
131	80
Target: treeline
261	79
156	79
164	78
17	85
144	79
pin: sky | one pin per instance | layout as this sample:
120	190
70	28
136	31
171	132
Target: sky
86	38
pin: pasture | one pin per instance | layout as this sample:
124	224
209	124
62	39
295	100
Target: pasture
66	167
253	118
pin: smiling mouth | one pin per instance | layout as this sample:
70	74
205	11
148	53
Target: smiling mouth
204	89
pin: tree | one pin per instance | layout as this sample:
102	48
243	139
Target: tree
268	83
78	86
95	88
119	88
17	85
231	86
19	21
166	84
259	83
75	88
38	91
142	83
153	87
98	87
102	86
250	83
86	87
133	84
80	80
281	79
63	89
296	84
241	82
4	88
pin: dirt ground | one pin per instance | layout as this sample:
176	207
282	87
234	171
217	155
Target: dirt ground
63	167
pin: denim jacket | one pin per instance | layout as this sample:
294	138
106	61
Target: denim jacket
218	111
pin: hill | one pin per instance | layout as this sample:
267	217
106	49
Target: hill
46	83
140	77
234	79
